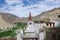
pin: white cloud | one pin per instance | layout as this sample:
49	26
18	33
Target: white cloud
34	8
10	2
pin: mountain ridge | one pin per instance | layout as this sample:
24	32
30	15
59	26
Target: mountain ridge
9	17
8	20
52	15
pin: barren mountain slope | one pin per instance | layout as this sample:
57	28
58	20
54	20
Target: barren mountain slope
4	24
51	15
48	15
11	18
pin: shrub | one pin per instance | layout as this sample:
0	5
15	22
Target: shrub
12	32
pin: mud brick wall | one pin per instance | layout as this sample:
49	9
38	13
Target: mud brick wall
8	38
53	34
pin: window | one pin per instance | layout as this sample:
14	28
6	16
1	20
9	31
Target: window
47	24
30	23
58	16
35	21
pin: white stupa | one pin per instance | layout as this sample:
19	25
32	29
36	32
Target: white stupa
32	28
30	25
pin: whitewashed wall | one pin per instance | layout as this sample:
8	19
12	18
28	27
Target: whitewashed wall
42	35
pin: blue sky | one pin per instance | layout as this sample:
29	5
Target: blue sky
22	8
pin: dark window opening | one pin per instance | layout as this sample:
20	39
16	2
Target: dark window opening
42	21
35	21
47	24
30	23
58	16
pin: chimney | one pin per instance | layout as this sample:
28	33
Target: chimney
30	17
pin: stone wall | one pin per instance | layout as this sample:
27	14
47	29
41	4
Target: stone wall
53	34
12	38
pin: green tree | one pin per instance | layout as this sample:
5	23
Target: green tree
21	26
12	32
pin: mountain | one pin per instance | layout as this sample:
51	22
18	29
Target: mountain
47	15
7	20
52	15
11	18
